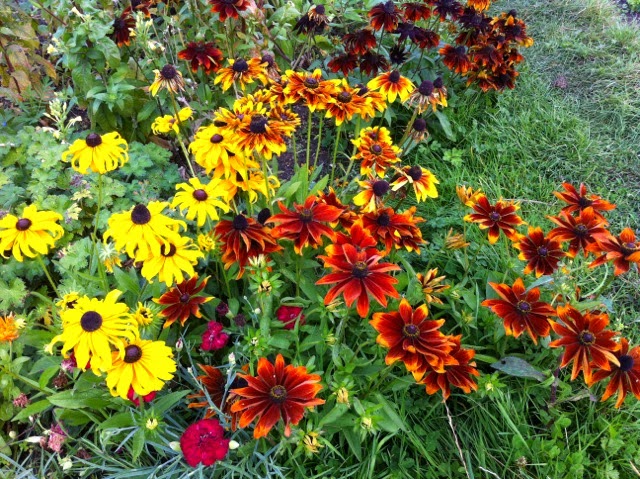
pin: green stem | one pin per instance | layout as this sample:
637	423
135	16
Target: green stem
94	237
179	136
46	272
315	160
309	120
409	125
335	154
265	173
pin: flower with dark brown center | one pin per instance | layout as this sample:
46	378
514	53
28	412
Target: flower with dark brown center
415	172
183	301
278	391
240	65
200	195
217	138
140	214
420	125
93	140
581	231
498	217
168	250
426	88
240	223
132	354
380	188
521	310
258	124
541	253
385	16
91	321
23	224
586	341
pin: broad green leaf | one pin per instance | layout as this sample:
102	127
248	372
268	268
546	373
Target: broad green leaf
91	398
123	419
166	402
32	409
518	367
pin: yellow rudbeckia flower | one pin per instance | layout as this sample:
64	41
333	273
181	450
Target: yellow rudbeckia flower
201	200
31	234
145	366
176	256
92	327
98	153
167	123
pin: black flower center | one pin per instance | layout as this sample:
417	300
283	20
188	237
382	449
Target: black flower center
344	97
278	394
460	51
628	248
216	138
200	195
543	251
311	82
584	202
426	88
438	83
376	149
320	9
240	65
239	382
581	230
360	270
264	215
258	124
93	140
132	354
140	215
380	188
389	8
171	250
494	216
586	338
415	172
90	321
169	72
384	219
524	307
268	59
626	363
23	224
394	76
420	125
184	298
119	24
240	223
411	331
306	215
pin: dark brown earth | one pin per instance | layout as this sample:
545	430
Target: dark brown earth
630	15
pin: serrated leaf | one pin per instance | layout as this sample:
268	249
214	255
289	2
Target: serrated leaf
518	367
12	294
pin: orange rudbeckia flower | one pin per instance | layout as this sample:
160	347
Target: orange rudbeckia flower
392	85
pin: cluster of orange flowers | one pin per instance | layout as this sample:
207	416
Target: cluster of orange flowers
583	335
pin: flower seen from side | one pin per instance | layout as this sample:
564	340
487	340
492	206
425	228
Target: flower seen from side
98	153
203	55
623	250
228	8
432	286
167	123
167	78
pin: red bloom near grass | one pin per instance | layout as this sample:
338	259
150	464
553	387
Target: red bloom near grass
307	224
413	339
182	301
202	54
586	341
385	16
521	310
495	218
358	274
277	392
458	375
204	442
578	201
541	253
623	250
580	231
624	378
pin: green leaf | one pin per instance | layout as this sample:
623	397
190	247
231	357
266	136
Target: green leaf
126	282
389	420
47	374
333	416
518	367
12	294
138	444
146	111
91	398
32	409
354	442
123	419
166	402
445	124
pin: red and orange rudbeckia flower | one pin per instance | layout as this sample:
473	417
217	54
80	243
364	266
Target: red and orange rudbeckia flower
624	378
499	217
277	392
